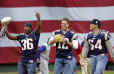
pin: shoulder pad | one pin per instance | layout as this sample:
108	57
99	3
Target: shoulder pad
75	36
90	32
72	32
106	34
53	33
86	36
104	31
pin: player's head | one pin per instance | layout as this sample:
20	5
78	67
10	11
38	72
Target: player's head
65	23
95	23
27	28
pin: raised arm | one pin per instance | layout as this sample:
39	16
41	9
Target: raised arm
11	37
5	21
37	31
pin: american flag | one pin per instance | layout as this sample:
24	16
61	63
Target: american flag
52	11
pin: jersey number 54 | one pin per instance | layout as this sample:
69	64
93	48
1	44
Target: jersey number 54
97	45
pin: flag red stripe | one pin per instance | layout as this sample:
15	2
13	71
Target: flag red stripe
56	3
51	25
12	55
9	55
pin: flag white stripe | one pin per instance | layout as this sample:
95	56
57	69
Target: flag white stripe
4	42
57	13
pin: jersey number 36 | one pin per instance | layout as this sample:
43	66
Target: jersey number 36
27	44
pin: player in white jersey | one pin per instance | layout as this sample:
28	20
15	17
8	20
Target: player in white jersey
43	54
44	59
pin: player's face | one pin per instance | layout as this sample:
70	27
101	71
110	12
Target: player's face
27	30
64	25
92	26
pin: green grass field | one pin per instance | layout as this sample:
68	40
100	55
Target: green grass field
106	72
12	69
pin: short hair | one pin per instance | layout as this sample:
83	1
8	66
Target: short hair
28	25
66	19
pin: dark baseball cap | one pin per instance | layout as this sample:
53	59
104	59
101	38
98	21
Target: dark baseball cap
96	22
28	25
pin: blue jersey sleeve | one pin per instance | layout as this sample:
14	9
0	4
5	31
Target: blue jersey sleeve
19	37
36	36
42	49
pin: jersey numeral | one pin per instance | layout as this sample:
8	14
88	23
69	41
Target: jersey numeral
63	45
27	44
97	45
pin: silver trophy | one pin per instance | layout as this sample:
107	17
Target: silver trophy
4	23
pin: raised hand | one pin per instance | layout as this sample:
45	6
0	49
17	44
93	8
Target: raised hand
37	16
38	22
5	21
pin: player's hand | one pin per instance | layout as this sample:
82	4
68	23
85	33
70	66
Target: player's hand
37	15
113	59
66	40
84	61
5	21
59	38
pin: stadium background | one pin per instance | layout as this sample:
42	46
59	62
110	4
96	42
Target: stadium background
80	12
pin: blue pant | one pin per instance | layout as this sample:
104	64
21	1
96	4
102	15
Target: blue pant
98	64
63	64
74	65
26	68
